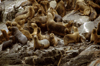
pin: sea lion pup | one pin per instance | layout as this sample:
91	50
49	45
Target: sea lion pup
60	8
93	14
94	37
53	40
72	38
54	27
35	28
40	44
19	35
4	33
40	36
8	23
82	7
98	29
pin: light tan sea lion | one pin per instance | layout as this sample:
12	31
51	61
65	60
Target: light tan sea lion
53	40
40	44
72	38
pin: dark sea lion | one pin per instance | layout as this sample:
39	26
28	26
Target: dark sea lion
19	35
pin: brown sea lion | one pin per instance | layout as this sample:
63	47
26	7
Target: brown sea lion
82	7
60	8
94	6
24	17
45	5
4	33
93	14
94	37
72	38
54	27
19	35
8	23
40	44
53	40
26	33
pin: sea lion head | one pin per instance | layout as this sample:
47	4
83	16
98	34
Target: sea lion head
50	15
34	37
75	29
8	23
14	24
51	35
94	31
34	25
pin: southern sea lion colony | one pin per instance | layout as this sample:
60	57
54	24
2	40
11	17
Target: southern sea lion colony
38	17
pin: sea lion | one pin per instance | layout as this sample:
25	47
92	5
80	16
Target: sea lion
40	44
35	27
45	5
19	35
53	40
94	6
94	37
40	36
72	38
17	25
60	8
4	33
24	17
39	13
54	27
82	7
93	14
7	44
69	25
98	29
26	33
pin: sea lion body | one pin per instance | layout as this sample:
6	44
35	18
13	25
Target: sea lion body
20	37
94	37
53	40
72	38
54	27
60	8
40	44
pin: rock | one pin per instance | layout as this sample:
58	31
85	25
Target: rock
95	62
